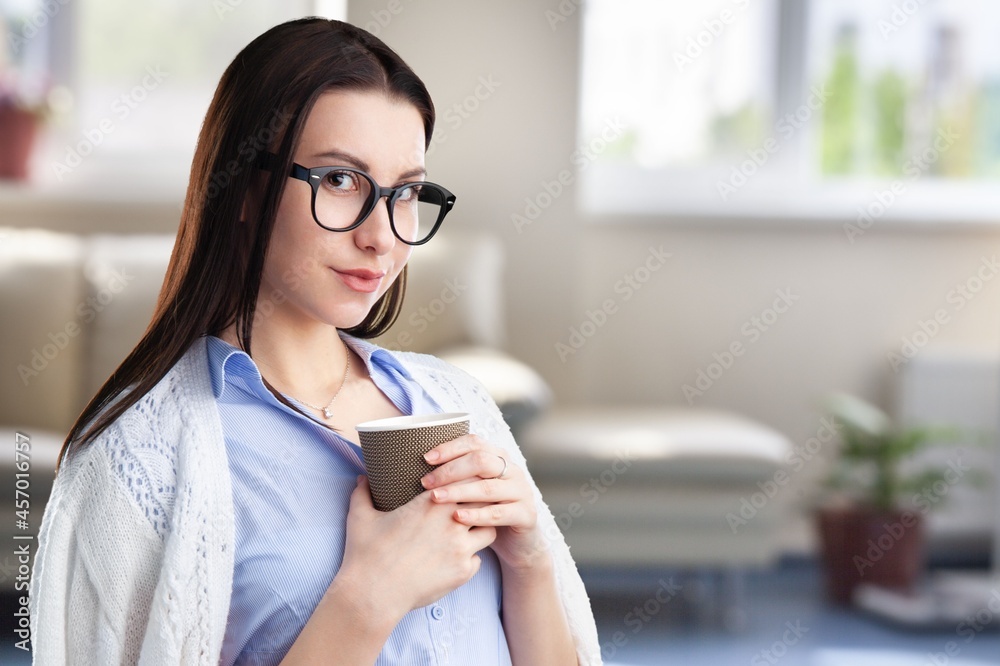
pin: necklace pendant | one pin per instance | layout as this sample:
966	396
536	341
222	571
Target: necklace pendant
327	413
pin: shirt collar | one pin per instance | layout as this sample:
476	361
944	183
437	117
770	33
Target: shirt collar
226	361
373	355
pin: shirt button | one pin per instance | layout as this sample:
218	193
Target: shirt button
437	612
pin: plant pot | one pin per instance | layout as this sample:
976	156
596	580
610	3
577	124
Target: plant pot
17	136
865	545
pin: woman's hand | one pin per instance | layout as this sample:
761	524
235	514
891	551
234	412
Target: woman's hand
470	475
409	557
393	562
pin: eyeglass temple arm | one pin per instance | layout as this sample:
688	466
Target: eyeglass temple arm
268	161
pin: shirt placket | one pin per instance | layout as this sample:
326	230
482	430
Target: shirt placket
437	619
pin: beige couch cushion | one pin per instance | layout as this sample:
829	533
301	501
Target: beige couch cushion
453	297
124	275
677	444
42	329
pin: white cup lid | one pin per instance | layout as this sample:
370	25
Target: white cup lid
409	422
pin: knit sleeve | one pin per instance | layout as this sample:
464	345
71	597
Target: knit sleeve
572	592
96	567
134	561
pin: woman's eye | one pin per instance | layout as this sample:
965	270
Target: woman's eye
342	181
410	194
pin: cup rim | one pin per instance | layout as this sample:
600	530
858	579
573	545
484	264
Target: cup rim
412	422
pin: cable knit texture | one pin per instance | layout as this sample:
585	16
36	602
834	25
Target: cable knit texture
135	554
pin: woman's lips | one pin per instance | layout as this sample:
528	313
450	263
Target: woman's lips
361	279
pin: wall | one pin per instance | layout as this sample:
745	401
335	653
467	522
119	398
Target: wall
853	302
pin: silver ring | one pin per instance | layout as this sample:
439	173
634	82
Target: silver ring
504	470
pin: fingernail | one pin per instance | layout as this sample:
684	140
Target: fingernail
427	481
431	456
440	494
463	515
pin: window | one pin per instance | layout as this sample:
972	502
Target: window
136	78
787	108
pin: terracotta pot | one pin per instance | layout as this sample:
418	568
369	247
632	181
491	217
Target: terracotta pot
17	136
865	545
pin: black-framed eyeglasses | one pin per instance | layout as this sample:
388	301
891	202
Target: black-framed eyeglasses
344	197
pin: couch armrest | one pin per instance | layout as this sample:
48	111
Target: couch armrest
518	390
42	329
454	295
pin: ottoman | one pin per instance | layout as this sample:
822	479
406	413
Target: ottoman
693	490
661	486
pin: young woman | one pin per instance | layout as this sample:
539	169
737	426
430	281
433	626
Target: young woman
210	504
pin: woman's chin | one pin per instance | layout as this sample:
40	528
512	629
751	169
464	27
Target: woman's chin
346	318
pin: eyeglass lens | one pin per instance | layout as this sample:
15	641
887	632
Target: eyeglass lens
343	197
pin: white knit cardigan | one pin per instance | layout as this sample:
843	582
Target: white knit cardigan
135	552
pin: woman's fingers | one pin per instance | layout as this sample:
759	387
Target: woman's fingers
472	463
455	448
511	514
483	536
489	488
483	490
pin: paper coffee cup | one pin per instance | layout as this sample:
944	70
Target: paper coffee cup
394	451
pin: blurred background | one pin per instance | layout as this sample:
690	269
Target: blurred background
681	228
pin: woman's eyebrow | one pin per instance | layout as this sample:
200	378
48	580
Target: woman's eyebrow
351	160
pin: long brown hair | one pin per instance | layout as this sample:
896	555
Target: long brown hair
214	274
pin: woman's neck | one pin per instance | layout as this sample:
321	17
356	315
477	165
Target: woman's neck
304	362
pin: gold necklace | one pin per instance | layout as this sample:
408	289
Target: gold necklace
327	414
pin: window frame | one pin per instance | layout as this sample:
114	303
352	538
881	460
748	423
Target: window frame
679	195
110	177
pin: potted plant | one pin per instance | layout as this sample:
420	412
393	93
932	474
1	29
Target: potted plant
873	530
24	99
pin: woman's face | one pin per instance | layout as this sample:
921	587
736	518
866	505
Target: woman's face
315	275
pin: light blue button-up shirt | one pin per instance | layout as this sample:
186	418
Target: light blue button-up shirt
292	479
